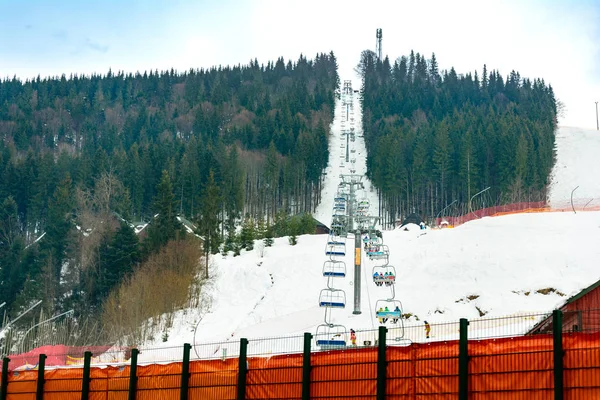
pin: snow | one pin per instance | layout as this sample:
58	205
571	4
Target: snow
502	260
323	212
521	266
576	165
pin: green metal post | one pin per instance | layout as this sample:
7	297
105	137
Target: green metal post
39	393
133	374
185	372
463	360
85	383
243	369
306	367
4	387
381	363
558	354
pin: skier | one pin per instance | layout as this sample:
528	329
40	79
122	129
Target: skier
427	329
381	321
352	337
387	310
397	310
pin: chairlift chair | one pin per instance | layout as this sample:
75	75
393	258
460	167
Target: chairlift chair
391	305
331	336
385	274
335	269
332	298
335	246
378	252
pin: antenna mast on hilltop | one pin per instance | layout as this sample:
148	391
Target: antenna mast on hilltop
378	45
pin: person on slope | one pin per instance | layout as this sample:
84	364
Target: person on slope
427	329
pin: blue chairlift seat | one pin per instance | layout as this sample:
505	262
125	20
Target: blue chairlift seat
332	298
388	314
331	344
334	269
332	304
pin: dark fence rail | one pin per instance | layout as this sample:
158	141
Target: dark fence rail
480	359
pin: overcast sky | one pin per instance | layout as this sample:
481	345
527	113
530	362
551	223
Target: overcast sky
557	40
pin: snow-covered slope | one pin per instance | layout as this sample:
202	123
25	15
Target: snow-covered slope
497	266
337	166
502	260
577	164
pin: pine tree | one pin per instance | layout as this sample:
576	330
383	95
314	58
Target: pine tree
268	240
259	231
294	229
121	256
164	225
247	234
209	218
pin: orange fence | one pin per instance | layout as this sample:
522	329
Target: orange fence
514	208
503	368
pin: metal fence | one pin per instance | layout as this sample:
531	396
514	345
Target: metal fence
535	356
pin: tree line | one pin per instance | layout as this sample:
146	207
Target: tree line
85	159
434	137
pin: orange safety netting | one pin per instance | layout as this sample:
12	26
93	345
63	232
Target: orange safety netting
515	368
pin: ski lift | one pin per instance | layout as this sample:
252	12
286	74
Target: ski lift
335	247
363	203
331	337
335	269
332	298
378	252
384	274
388	308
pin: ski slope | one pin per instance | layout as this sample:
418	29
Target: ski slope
576	166
502	260
323	212
496	265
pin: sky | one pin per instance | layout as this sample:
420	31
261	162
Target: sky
557	40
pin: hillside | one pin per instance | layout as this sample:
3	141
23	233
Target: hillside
576	166
514	264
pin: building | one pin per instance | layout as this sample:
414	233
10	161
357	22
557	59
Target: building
581	313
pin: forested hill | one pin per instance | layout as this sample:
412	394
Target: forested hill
434	137
76	151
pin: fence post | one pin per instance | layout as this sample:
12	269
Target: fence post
242	368
39	393
463	360
185	372
306	367
558	354
381	363
4	387
133	374
85	384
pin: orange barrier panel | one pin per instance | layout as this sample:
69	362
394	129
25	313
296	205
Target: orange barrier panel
519	368
341	374
582	366
63	384
22	385
277	377
515	368
213	379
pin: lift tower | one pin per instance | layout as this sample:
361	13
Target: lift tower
378	45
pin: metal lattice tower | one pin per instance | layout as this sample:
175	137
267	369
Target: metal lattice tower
378	45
